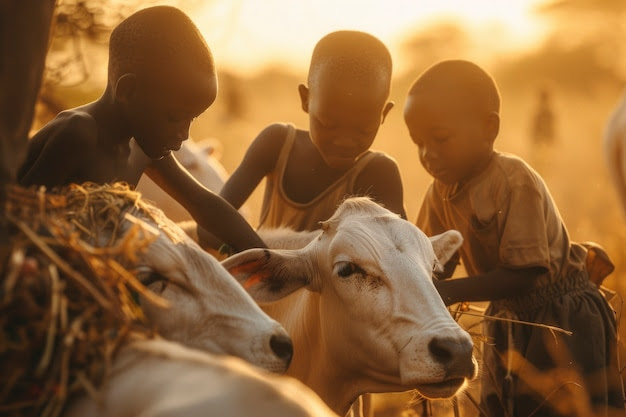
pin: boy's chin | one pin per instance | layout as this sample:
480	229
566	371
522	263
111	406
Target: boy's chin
154	153
340	163
444	177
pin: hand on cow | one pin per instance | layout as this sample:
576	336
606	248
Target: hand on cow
448	268
441	289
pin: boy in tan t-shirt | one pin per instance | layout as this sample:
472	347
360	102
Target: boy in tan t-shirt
517	253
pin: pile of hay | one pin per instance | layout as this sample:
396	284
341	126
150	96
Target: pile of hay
67	302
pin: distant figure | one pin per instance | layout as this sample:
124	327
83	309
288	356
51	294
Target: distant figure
615	150
543	132
161	76
232	97
517	253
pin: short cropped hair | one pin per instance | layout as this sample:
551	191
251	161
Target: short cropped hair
466	77
156	37
351	53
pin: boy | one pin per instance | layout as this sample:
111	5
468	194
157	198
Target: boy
310	172
161	76
516	251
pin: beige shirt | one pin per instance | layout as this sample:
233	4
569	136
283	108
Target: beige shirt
279	210
507	218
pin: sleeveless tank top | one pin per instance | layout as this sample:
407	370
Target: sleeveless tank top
279	210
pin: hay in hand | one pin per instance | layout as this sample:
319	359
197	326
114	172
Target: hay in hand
68	292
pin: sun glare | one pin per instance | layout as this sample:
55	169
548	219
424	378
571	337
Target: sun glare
246	35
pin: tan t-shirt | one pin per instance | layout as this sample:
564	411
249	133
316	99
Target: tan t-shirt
279	210
507	218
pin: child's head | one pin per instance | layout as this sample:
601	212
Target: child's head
161	72
346	97
452	116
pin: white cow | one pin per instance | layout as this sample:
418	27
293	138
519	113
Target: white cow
200	160
615	150
209	309
157	378
363	312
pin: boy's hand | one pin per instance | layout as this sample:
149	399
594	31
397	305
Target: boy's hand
448	268
441	288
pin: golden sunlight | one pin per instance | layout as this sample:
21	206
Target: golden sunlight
247	35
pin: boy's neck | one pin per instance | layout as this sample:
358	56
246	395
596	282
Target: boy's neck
111	119
481	166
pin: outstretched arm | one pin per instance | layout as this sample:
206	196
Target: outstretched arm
493	285
259	160
210	211
381	180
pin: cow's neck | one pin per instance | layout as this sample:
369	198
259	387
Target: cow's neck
312	364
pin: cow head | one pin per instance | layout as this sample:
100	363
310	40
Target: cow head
381	317
208	309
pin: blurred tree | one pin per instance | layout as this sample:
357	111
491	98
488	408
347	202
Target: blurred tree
78	24
585	46
436	42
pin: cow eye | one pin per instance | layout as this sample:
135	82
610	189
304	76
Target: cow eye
346	269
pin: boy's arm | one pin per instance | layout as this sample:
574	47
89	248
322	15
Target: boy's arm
493	285
259	160
208	209
62	152
381	180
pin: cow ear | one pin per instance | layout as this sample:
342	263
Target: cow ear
446	244
268	274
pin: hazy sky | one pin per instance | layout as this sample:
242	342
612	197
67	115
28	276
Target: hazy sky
247	34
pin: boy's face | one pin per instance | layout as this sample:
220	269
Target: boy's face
162	110
344	117
454	137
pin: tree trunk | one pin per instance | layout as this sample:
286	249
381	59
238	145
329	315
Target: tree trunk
24	35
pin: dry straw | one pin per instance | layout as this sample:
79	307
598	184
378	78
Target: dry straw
68	292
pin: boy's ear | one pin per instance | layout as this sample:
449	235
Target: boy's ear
125	87
493	125
386	110
304	97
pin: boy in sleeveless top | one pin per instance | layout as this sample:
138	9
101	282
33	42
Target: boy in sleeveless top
161	76
517	253
309	172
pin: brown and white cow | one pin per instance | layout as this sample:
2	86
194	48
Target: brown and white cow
358	301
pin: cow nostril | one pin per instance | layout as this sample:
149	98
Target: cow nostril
283	348
456	356
441	350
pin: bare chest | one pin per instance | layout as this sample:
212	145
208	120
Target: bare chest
110	165
306	175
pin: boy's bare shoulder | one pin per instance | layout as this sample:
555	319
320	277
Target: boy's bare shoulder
274	135
79	123
380	163
268	144
72	127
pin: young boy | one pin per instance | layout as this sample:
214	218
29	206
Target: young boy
161	76
309	172
516	251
